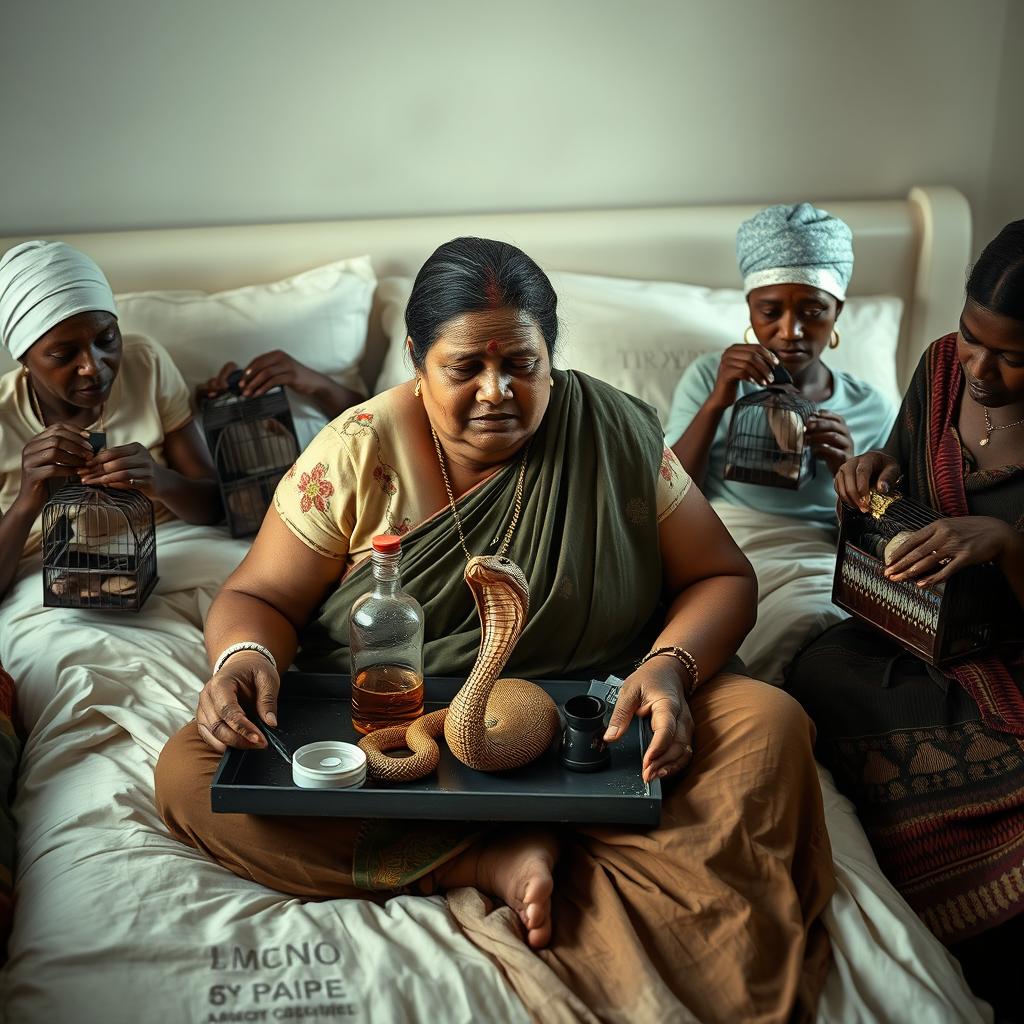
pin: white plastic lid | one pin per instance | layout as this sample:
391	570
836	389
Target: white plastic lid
329	764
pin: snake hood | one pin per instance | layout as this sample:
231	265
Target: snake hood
486	571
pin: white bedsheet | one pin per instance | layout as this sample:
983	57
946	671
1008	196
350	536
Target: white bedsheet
794	563
116	922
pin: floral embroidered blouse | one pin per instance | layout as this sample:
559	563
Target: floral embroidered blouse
357	479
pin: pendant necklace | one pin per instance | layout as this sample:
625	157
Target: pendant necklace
517	501
989	428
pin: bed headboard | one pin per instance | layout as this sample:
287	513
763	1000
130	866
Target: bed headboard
917	248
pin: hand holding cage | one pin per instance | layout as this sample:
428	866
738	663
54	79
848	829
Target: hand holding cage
940	622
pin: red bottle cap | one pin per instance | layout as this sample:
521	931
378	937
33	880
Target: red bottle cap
387	544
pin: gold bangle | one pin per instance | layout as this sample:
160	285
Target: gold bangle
688	661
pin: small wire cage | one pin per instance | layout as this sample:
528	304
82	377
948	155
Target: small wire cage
253	444
939	623
766	444
99	549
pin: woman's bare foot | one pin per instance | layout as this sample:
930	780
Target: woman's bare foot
517	868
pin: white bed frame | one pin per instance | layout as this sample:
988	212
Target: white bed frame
917	248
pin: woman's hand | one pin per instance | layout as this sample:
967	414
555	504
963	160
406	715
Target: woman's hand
857	477
216	385
58	451
265	372
654	691
742	362
274	368
829	438
935	553
126	467
248	679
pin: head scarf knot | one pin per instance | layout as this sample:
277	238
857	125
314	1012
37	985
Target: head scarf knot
797	244
43	283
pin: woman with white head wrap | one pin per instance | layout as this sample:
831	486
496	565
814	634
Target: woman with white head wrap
796	262
78	375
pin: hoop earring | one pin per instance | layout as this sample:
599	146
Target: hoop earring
416	390
833	342
746	340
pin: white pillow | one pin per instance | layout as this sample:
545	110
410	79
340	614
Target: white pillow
319	316
641	335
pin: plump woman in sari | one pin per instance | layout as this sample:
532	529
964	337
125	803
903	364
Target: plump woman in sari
717	908
79	375
934	760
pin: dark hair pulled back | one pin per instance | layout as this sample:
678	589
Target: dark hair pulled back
997	279
469	275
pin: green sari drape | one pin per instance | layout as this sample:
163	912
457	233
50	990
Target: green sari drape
587	540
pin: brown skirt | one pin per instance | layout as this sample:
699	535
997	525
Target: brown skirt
713	915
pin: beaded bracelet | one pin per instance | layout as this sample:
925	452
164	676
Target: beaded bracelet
245	645
688	661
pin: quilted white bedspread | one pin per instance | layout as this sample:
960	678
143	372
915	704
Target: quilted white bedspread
116	923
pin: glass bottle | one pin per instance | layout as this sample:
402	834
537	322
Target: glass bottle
386	646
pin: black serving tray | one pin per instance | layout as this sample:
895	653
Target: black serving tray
317	707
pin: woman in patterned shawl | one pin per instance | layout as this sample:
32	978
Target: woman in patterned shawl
714	912
935	760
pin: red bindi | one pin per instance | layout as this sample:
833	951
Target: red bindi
492	346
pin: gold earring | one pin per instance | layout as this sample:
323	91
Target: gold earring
24	371
833	342
551	381
416	390
746	340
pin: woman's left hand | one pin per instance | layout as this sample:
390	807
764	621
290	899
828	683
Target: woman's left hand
126	467
654	691
829	438
933	554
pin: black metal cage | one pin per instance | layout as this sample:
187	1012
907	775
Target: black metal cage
766	443
99	549
253	444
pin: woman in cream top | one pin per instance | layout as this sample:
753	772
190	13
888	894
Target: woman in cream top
78	376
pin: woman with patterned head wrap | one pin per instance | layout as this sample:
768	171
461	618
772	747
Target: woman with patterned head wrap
78	375
796	263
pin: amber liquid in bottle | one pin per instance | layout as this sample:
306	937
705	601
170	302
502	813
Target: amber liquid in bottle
386	646
384	695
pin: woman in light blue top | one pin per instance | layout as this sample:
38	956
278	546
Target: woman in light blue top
796	262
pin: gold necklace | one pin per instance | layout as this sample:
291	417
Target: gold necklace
33	401
517	501
989	428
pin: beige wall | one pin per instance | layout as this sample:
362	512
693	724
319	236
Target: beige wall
1004	200
122	113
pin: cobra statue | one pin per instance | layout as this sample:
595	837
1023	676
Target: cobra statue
492	724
